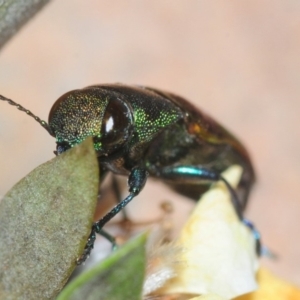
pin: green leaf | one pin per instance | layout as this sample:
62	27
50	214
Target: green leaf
118	277
45	222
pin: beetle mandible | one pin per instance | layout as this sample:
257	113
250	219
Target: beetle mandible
140	131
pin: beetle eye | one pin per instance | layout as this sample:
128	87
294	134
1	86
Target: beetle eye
61	147
116	125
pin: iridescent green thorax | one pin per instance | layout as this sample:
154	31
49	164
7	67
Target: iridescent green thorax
148	125
78	115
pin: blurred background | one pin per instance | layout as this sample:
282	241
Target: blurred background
237	60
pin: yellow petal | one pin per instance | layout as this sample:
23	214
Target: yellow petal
218	250
272	288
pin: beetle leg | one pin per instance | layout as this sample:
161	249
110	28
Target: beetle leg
117	193
136	181
90	244
198	174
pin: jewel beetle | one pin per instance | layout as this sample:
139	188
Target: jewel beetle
140	132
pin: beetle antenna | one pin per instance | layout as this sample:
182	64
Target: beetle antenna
29	113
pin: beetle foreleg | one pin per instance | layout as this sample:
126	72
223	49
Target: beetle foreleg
136	181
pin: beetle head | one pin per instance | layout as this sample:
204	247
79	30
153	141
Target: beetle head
92	112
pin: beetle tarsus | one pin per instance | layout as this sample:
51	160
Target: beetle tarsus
258	246
88	247
91	241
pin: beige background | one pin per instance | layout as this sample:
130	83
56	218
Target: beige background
238	60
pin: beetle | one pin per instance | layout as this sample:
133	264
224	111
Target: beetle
142	131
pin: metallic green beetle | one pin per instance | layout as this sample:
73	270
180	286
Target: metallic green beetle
140	132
